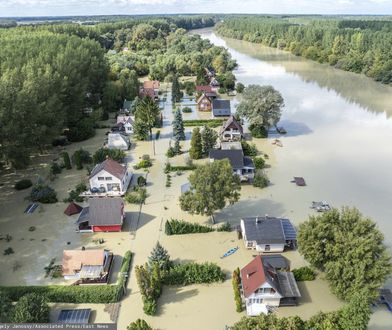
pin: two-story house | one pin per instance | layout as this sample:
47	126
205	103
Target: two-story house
125	124
110	178
204	103
231	130
263	287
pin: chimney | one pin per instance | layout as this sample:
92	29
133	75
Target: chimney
258	220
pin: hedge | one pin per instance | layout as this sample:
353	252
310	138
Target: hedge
202	122
95	294
193	273
236	281
180	227
304	274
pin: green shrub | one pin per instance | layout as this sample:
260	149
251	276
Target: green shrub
144	163
23	184
83	130
149	306
66	160
81	157
8	251
31	308
102	153
186	110
181	227
304	274
239	87
137	196
250	150
236	281
55	168
74	193
224	227
139	324
170	152
259	162
141	181
260	180
193	273
202	122
171	168
43	193
168	180
258	131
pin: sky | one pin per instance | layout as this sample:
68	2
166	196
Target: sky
131	7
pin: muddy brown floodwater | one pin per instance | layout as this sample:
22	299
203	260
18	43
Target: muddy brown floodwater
339	137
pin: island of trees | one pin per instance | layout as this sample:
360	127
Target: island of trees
356	45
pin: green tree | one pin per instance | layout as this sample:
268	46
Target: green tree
349	248
159	256
178	126
177	147
176	90
147	111
141	130
196	150
6	309
67	160
103	153
261	106
208	139
31	308
239	87
356	314
139	324
212	186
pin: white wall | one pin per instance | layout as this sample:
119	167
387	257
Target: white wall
94	182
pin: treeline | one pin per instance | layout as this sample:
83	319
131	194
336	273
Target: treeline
361	46
47	81
56	79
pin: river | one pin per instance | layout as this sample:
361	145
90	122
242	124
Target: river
339	136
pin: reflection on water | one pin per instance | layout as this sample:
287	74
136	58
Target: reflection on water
339	137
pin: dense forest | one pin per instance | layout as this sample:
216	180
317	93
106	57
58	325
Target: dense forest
361	46
62	78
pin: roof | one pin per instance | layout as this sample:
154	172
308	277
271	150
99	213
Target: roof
203	96
127	104
230	123
277	261
124	120
231	145
74	260
74	316
248	162
260	271
204	88
72	209
84	215
151	84
236	157
110	166
268	230
221	107
105	211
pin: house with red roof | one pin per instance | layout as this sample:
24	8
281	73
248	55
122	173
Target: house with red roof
265	287
150	88
110	178
204	103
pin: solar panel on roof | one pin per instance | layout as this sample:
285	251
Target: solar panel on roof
74	316
289	231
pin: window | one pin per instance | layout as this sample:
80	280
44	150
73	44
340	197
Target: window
249	244
101	178
108	178
267	248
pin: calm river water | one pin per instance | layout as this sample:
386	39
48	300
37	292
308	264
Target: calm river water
339	136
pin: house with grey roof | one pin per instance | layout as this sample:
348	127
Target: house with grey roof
104	214
242	165
265	287
221	108
110	178
268	234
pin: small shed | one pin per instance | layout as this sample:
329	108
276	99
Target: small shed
72	209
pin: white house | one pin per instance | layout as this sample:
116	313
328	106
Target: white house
110	177
118	141
263	287
268	234
125	123
231	130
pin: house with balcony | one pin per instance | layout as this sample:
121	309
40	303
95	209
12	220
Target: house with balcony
204	103
231	130
264	287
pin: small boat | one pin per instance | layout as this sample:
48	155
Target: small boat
281	130
277	142
299	181
230	252
321	206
